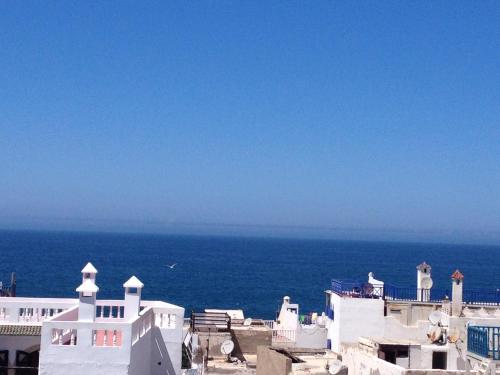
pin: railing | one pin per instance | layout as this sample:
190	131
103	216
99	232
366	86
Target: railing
269	323
165	320
142	325
413	294
284	336
210	321
107	337
110	309
482	297
32	310
64	336
484	341
357	289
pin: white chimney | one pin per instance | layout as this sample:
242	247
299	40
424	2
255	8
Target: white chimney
424	282
89	273
133	289
87	294
457	293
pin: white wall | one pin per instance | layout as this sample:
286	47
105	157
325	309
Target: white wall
361	363
355	317
312	336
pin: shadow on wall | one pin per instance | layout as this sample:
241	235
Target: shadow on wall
161	363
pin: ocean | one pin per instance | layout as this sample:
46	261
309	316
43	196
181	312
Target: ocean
229	272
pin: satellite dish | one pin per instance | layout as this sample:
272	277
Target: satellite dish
435	333
227	347
247	322
426	283
435	317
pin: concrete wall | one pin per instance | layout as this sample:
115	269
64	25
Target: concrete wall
355	317
248	339
270	362
360	362
313	337
213	341
140	356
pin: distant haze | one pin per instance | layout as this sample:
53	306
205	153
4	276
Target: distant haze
376	120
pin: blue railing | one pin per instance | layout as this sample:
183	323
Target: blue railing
357	289
414	294
482	297
391	292
484	341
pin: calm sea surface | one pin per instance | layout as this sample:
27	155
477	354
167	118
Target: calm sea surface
249	273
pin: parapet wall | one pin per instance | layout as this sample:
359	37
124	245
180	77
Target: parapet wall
270	362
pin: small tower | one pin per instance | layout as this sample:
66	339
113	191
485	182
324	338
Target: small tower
457	293
424	282
87	294
89	273
133	289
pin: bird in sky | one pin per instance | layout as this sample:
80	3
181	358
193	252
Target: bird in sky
171	266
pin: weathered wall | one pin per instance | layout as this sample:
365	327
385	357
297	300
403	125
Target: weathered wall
270	362
248	339
213	342
361	363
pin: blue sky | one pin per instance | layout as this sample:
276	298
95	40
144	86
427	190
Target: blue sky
360	120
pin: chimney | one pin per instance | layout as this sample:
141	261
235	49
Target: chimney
133	289
87	294
457	293
89	273
424	282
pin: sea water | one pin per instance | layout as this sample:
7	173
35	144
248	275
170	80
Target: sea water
229	272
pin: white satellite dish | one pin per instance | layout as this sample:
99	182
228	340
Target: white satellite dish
247	322
227	347
435	333
426	283
435	317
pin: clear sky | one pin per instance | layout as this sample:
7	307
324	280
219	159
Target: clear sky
362	120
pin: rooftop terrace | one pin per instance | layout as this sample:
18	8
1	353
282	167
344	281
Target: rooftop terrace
391	292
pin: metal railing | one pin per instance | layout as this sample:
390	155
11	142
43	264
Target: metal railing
482	297
284	336
484	341
357	289
413	294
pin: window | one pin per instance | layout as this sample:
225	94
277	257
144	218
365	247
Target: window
132	290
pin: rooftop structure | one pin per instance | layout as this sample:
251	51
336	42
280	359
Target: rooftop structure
398	330
85	335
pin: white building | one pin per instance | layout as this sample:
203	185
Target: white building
376	326
91	336
290	331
